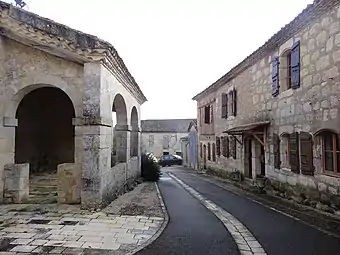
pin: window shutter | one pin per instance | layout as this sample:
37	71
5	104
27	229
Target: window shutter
275	76
210	114
233	147
209	152
224	106
306	154
234	102
201	150
276	144
213	153
218	146
294	153
225	145
295	65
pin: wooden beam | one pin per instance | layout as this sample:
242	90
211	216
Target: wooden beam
258	139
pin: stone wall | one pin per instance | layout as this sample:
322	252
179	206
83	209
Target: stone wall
153	142
310	108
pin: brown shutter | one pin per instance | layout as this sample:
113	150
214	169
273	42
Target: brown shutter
234	102
218	146
276	144
294	152
306	153
224	106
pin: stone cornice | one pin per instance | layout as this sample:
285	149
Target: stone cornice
308	15
65	42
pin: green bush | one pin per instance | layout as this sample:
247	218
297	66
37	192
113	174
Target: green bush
150	169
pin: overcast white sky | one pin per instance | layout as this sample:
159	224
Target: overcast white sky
175	48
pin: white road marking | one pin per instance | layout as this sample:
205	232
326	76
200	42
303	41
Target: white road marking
246	242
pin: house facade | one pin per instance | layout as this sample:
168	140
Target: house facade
163	136
190	147
276	114
59	88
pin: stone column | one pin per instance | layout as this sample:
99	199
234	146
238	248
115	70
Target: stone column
16	189
95	129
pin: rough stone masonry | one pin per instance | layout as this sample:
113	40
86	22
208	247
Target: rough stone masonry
58	91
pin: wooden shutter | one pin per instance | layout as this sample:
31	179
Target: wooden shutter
276	144
306	154
295	65
225	145
211	114
213	152
209	152
224	105
218	146
275	76
233	147
294	153
234	102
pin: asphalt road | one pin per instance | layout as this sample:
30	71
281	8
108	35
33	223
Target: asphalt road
278	234
192	229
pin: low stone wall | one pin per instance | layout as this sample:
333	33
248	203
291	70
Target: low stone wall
69	183
16	183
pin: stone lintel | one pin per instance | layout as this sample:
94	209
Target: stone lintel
9	122
123	128
90	121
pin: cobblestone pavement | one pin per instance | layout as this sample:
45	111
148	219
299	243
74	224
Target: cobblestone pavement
66	229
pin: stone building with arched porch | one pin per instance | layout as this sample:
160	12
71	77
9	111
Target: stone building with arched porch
59	88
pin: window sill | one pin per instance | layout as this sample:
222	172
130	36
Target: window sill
331	174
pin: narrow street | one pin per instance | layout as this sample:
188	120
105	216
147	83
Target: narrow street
193	229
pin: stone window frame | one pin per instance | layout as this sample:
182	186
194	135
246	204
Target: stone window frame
335	152
285	70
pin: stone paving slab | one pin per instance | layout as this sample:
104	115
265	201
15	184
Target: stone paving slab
66	229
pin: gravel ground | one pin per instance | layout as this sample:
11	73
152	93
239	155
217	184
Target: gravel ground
142	200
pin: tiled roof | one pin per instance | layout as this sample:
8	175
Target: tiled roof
166	125
308	15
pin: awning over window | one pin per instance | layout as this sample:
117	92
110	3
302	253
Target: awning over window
239	130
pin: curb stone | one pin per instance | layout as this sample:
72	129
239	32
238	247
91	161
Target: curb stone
160	230
241	192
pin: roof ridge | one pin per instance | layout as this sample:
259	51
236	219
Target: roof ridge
307	15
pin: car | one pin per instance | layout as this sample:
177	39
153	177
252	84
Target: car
169	160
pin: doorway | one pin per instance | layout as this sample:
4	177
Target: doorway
248	158
44	138
263	163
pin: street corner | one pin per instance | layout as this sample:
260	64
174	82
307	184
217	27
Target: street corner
67	229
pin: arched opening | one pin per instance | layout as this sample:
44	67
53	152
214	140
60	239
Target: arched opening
44	138
134	143
119	131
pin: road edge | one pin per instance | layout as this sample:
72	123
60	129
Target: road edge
244	193
160	230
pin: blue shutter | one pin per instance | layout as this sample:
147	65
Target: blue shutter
295	65
275	76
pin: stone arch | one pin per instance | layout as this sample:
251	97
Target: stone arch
44	136
120	131
134	141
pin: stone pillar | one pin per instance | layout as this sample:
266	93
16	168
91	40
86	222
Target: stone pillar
95	129
123	136
7	147
16	180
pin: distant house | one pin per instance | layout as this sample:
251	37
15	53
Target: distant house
189	146
163	136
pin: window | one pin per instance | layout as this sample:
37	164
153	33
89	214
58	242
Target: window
166	141
208	114
286	70
213	152
230	103
225	145
330	152
209	152
301	153
285	150
218	146
289	70
224	106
